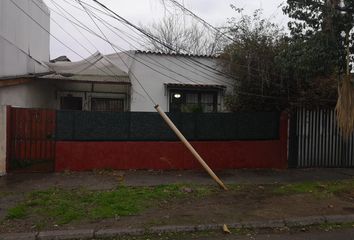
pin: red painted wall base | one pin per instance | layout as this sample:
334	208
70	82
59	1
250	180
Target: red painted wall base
79	156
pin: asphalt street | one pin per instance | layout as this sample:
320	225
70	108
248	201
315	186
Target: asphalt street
343	234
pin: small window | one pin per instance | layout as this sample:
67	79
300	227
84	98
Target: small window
193	101
192	98
107	105
207	102
71	103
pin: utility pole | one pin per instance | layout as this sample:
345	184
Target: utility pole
345	104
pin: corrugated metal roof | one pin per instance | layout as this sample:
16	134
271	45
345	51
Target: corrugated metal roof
88	78
96	68
96	64
187	85
175	54
27	76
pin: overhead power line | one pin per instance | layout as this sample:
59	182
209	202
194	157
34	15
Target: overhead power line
160	64
154	38
107	40
57	39
194	65
203	65
114	46
24	52
104	35
84	27
206	68
77	41
144	62
205	23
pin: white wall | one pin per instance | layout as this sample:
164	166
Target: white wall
46	94
36	94
174	69
24	34
2	140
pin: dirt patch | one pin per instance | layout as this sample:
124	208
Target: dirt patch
249	203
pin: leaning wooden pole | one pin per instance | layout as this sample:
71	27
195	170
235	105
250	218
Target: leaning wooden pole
190	147
345	103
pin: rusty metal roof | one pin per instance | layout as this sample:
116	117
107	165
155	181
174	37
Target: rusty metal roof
188	85
175	54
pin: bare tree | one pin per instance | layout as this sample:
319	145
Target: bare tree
182	37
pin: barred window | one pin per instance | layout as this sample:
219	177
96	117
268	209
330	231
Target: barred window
107	105
193	101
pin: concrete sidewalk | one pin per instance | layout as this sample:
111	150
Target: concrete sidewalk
102	180
250	208
120	232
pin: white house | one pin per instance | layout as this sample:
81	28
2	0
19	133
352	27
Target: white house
117	82
178	82
113	82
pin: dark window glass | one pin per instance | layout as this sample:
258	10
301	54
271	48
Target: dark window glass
71	103
107	105
207	102
193	101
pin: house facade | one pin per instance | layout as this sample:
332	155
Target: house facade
112	82
107	83
178	83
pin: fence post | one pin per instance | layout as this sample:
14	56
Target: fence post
283	128
293	140
3	139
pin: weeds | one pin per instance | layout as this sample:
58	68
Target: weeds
65	206
318	189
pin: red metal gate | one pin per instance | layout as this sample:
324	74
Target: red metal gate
31	144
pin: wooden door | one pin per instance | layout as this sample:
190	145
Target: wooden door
31	140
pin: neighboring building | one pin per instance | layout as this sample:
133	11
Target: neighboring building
20	37
23	46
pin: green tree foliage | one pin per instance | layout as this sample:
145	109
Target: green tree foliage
278	70
251	58
321	26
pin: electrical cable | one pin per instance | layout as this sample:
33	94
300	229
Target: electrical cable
24	52
154	37
124	51
144	89
176	79
157	62
240	92
57	39
205	23
77	41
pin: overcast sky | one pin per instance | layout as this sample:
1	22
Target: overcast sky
142	13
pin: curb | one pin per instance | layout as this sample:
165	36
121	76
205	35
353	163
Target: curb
117	232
